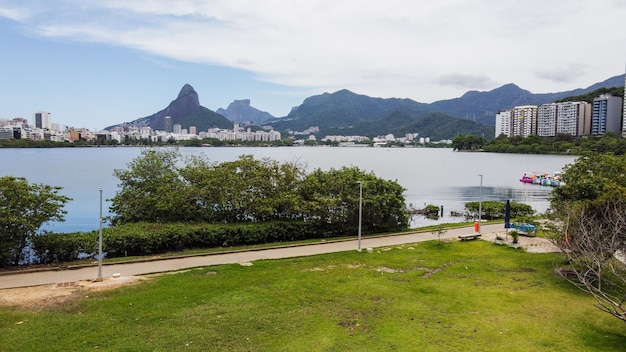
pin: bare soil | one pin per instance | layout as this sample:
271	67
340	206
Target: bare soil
45	296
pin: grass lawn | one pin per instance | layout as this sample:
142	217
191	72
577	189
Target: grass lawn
459	296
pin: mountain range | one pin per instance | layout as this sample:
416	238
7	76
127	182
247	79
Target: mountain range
347	113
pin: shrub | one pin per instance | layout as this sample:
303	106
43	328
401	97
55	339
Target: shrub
55	248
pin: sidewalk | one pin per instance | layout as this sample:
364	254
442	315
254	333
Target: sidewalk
174	264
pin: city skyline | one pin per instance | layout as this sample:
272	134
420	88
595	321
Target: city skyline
95	64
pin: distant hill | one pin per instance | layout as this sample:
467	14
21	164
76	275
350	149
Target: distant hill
482	107
434	125
184	110
589	97
241	111
344	111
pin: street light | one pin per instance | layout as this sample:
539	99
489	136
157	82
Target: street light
480	204
360	212
100	242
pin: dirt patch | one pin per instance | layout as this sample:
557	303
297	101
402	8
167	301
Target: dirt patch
530	244
45	296
384	269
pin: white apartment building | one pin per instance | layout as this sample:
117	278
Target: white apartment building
574	118
624	112
547	120
524	120
503	123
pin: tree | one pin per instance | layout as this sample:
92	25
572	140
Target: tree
495	210
332	198
24	208
439	231
155	189
590	211
467	142
151	189
245	190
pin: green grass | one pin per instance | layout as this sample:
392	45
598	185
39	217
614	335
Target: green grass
456	296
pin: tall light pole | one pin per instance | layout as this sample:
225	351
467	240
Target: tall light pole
100	241
480	204
360	212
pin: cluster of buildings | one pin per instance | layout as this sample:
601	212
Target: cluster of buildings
574	118
176	132
409	138
43	128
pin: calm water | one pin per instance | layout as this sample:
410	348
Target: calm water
430	176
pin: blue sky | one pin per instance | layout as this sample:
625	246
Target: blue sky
94	63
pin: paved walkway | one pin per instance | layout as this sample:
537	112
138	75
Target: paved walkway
163	265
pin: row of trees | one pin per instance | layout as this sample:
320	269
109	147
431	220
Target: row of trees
534	144
161	186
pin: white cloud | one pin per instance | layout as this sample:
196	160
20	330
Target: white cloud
426	50
562	72
14	14
466	81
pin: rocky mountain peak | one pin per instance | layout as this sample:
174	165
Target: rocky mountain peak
188	97
241	111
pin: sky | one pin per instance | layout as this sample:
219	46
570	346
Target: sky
95	63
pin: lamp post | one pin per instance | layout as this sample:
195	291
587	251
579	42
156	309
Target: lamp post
100	241
360	212
480	204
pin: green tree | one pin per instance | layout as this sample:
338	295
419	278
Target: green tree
467	142
151	189
24	208
492	209
590	210
332	201
245	190
155	189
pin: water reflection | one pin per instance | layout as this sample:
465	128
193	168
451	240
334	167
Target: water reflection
453	200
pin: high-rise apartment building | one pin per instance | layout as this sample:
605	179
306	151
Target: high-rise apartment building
503	123
606	115
547	120
43	120
524	120
571	117
574	118
624	111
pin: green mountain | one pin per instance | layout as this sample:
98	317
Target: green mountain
434	125
347	113
186	111
343	109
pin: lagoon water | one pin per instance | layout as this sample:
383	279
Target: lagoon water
430	176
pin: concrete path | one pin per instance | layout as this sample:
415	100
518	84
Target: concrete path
163	265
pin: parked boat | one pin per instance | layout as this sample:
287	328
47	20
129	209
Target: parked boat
545	179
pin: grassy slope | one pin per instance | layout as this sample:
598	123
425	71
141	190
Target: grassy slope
462	296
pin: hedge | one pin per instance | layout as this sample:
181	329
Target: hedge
149	238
